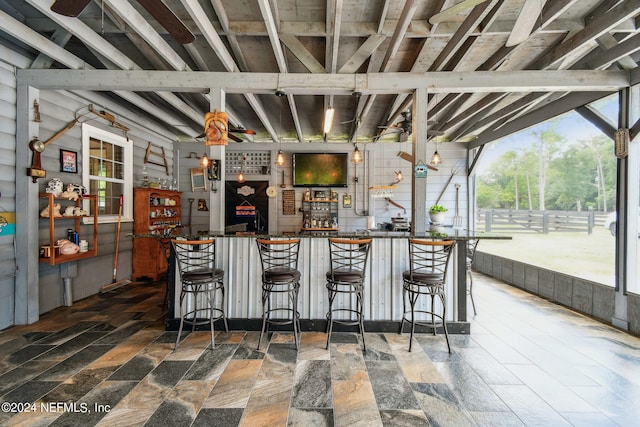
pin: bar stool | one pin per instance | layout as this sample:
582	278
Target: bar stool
201	280
280	276
471	254
427	275
348	260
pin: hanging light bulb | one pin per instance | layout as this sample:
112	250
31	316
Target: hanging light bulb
241	177
356	156
280	156
204	161
436	159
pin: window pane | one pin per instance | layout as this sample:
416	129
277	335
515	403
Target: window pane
118	170
107	169
94	166
118	153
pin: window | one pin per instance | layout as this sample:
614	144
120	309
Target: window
552	188
107	172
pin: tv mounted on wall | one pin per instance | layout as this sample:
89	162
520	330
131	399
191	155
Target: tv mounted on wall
320	169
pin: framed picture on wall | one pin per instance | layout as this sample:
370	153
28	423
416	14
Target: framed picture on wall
346	200
68	161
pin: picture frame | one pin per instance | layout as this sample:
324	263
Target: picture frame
68	161
198	180
346	200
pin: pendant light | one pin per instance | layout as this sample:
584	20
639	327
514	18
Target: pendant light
204	161
241	176
356	156
436	159
280	156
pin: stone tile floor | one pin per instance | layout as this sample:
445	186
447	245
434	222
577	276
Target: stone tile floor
107	361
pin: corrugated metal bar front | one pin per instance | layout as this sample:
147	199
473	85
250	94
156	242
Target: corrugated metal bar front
239	258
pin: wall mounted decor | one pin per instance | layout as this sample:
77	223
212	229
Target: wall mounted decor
68	161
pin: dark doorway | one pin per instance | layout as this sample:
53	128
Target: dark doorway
247	206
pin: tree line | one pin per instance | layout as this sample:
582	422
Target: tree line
551	173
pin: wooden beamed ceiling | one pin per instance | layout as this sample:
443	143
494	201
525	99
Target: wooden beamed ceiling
347	43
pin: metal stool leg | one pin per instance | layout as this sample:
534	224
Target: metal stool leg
293	296
473	304
212	304
266	306
182	295
413	298
360	314
332	295
444	323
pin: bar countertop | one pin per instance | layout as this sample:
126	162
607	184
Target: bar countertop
437	233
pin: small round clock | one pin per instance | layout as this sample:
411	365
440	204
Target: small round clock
272	191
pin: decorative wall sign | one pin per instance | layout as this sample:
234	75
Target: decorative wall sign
288	202
68	161
245	190
420	170
245	209
346	201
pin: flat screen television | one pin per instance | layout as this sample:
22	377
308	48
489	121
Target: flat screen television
320	169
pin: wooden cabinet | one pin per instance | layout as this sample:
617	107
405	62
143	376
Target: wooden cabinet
320	211
156	215
49	251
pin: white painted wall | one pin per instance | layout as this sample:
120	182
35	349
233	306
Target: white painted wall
378	168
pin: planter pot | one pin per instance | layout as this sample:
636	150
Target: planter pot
437	218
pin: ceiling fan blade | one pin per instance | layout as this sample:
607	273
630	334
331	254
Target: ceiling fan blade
234	138
168	20
70	8
527	19
453	11
245	131
433	132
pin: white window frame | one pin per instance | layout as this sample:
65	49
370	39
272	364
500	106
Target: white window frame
89	132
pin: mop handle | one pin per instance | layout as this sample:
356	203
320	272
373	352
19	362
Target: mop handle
115	261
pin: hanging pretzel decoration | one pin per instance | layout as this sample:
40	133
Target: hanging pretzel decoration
216	128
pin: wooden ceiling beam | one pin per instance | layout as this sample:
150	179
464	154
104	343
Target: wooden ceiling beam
272	30
232	38
337	84
598	26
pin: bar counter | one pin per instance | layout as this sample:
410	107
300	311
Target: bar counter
239	258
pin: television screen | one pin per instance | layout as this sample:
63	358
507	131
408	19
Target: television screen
320	169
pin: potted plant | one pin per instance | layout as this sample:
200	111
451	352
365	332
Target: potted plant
437	214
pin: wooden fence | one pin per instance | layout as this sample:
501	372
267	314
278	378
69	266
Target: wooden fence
507	220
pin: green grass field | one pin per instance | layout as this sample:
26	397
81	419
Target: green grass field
590	257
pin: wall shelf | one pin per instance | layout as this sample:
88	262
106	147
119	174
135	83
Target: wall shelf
55	258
